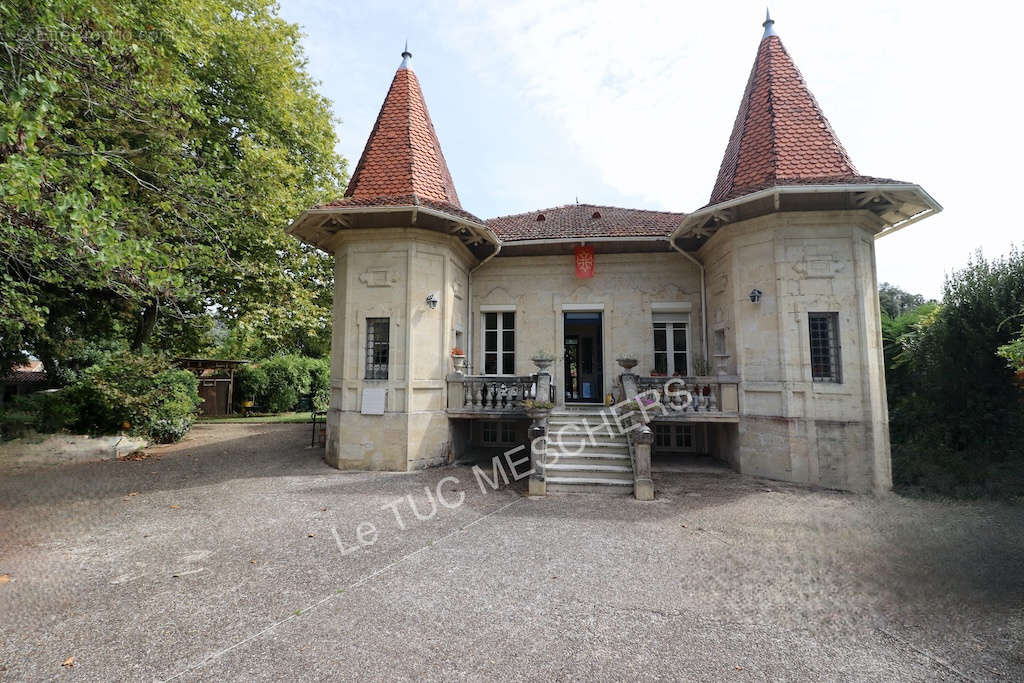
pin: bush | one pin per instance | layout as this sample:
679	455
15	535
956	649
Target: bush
320	382
153	398
156	400
287	379
18	418
280	382
251	383
956	413
44	412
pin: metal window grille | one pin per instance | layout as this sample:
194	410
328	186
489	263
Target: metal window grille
825	361
378	332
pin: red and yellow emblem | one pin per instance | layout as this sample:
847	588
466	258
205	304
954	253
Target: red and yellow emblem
584	262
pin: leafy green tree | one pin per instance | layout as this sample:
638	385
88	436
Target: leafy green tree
957	417
1014	351
899	336
894	301
151	153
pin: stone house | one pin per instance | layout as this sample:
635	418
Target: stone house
759	308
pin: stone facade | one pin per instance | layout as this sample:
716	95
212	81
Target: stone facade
388	273
833	434
773	285
625	289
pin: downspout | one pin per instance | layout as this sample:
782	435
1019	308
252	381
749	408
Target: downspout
469	297
703	302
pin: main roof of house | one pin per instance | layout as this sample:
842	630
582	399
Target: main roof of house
582	221
780	138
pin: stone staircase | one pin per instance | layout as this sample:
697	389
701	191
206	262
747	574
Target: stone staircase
578	463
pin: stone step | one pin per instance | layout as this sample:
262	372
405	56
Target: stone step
573	445
592	418
589	459
589	485
587	469
570	428
589	474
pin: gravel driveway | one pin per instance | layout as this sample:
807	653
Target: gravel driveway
236	555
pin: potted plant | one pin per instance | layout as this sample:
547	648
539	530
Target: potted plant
535	408
458	358
543	360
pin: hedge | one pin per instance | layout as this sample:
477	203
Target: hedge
276	385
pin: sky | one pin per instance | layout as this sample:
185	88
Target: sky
540	103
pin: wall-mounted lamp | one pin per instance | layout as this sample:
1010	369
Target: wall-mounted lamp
755	296
432	300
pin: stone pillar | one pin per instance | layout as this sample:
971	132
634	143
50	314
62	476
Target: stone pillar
538	455
538	433
543	386
643	486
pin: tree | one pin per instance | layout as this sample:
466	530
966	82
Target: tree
894	301
151	153
1014	351
957	417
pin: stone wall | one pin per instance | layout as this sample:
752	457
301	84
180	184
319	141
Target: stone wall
793	428
626	288
388	273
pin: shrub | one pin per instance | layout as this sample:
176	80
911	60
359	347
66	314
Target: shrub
287	379
251	384
320	382
280	382
956	414
17	418
44	411
156	400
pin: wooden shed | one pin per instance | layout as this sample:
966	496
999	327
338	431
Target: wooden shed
216	382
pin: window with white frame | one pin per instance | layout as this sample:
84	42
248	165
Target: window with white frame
824	333
499	342
671	343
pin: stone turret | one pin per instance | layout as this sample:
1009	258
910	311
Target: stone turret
403	247
787	242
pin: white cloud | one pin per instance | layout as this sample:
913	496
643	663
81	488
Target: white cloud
540	101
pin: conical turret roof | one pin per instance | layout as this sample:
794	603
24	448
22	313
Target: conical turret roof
781	136
402	160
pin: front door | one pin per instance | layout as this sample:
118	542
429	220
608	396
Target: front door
584	372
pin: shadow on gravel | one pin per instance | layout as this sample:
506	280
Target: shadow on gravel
277	450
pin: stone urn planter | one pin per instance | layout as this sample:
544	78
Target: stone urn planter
458	360
626	363
543	361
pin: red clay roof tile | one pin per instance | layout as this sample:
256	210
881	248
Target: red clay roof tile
402	156
581	221
781	136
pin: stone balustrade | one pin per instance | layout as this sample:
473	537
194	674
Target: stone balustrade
692	397
488	394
